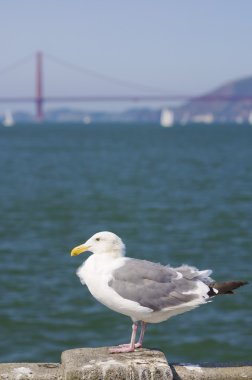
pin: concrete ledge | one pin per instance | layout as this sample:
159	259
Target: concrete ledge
209	371
98	364
30	371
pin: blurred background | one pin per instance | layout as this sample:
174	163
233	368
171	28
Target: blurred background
134	118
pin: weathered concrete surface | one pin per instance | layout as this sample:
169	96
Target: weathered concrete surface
212	372
98	364
30	371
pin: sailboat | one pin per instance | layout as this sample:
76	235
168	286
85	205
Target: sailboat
87	119
8	120
166	118
250	117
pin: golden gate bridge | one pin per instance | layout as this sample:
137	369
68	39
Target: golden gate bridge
39	99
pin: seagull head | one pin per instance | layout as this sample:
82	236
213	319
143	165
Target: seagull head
104	242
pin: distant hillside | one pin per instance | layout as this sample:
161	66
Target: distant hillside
140	115
64	114
214	107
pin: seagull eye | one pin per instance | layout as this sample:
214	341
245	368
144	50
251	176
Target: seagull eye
97	239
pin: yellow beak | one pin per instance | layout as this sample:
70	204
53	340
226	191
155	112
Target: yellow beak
79	249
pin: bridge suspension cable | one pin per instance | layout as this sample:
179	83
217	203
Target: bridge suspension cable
16	64
101	76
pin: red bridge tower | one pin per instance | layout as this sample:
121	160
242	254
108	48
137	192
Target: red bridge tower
39	87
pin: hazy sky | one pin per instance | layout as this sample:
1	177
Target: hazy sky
178	46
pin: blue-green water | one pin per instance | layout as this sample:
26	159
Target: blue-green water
178	195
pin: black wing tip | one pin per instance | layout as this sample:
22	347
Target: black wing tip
225	287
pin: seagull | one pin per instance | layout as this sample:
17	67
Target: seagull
147	292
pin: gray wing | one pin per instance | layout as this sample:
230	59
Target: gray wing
152	285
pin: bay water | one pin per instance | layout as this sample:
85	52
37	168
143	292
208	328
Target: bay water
175	195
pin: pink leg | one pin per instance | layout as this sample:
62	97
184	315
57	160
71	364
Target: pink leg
127	347
140	340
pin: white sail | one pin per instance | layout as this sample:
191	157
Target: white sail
87	119
166	118
8	120
250	117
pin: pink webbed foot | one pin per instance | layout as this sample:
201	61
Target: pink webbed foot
137	345
130	347
122	349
